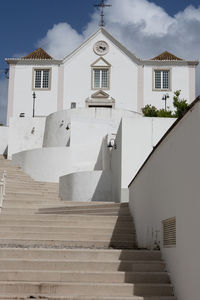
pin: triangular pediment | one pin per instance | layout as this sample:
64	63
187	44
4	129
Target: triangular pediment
101	62
100	94
105	33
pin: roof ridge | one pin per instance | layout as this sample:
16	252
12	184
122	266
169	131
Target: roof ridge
166	56
39	53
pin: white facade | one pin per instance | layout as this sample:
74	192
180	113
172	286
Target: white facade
130	80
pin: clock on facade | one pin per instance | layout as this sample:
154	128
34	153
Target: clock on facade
101	48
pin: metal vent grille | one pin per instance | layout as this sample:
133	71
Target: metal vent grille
169	232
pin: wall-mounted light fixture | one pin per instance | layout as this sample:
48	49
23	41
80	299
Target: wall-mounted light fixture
112	144
68	126
33	130
62	123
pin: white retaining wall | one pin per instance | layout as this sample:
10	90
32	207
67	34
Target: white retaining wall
86	186
168	186
48	164
25	134
135	140
84	125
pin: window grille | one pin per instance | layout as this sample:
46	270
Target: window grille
162	79
169	232
41	79
101	78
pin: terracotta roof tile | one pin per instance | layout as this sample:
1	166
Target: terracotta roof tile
38	54
166	56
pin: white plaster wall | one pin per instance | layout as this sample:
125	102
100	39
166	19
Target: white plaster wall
4	132
77	76
168	186
138	139
135	140
180	81
86	186
46	100
116	166
91	123
25	134
48	164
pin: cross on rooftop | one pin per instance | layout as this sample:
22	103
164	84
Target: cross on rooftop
102	5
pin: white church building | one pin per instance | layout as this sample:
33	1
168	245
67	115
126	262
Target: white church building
78	122
99	73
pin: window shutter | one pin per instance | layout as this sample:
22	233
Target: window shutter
169	232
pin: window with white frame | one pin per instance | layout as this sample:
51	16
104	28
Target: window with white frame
41	79
161	79
101	78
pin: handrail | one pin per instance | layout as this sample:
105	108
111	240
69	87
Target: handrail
2	188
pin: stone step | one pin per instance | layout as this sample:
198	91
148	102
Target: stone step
87	289
27	210
81	254
91	277
29	190
88	209
32	204
62	244
66	230
123	226
27	198
74	217
58	204
71	235
49	297
80	266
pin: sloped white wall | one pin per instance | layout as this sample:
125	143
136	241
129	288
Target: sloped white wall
4	132
168	186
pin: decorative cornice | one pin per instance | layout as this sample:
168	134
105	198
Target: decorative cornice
33	61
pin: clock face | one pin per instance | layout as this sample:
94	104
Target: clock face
101	48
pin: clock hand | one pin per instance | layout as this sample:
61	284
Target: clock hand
101	47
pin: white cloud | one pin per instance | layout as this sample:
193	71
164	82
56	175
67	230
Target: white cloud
3	100
141	25
144	27
60	40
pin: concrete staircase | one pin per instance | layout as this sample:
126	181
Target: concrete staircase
51	249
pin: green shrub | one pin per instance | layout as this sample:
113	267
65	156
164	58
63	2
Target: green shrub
180	106
150	111
162	113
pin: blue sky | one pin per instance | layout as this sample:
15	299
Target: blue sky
24	25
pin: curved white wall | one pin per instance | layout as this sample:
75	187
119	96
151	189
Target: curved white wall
48	164
86	186
105	120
